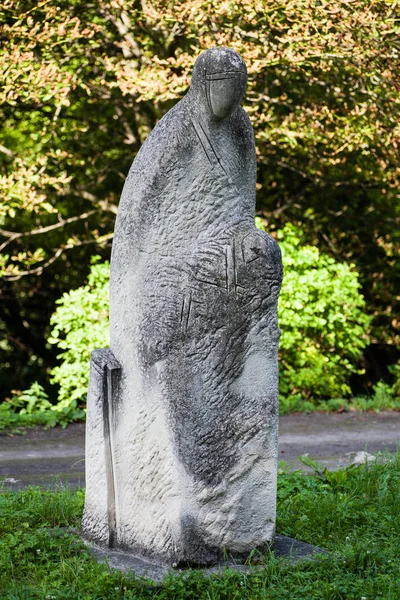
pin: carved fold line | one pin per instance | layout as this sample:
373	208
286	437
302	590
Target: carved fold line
226	269
97	369
234	272
209	149
252	260
182	309
185	311
204	144
217	158
207	282
231	273
188	311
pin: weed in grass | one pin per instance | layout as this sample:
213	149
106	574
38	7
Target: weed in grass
354	513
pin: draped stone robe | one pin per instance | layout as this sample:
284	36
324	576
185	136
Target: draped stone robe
192	417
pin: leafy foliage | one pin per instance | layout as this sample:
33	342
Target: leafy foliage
353	513
31	400
324	328
321	314
82	84
82	320
32	407
319	76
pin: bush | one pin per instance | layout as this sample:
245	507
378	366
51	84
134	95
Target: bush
322	319
324	328
80	325
32	407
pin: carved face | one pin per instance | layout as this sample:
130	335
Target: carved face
225	91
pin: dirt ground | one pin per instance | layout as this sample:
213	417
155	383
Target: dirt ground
56	456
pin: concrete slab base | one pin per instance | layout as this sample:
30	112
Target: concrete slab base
283	547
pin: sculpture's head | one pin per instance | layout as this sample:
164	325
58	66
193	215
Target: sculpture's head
221	74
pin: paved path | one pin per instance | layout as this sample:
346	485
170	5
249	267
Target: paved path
57	456
334	439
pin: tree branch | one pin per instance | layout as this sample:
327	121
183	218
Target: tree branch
12	235
39	270
6	151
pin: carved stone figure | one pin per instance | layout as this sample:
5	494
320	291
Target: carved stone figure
182	411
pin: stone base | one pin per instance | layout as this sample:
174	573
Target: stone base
283	547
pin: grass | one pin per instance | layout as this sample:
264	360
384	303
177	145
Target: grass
354	513
384	398
16	422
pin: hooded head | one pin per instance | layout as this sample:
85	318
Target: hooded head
219	77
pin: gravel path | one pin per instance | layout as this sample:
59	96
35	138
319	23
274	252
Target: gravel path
56	456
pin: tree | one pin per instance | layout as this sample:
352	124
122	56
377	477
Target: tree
82	84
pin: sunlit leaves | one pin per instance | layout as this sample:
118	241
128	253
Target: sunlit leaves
80	324
83	84
322	319
323	92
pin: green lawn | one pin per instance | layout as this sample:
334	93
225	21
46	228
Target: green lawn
354	513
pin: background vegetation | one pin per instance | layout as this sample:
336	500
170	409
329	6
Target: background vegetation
81	86
320	314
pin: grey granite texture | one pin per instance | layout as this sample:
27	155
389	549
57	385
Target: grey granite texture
191	433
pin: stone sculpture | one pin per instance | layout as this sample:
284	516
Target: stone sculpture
182	426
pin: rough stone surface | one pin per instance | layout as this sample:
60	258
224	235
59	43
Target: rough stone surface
191	423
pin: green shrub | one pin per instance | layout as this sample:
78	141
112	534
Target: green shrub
80	325
324	328
322	319
31	400
32	407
